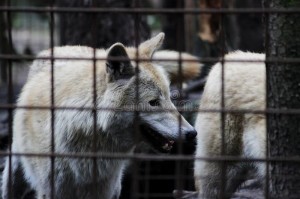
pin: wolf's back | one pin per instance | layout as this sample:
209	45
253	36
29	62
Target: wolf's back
63	55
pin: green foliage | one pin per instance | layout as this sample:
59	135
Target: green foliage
290	3
154	22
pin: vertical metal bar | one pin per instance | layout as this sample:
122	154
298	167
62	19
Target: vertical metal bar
52	178
94	84
180	48
10	93
223	114
147	179
135	187
267	41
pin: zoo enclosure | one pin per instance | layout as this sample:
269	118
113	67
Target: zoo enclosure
183	42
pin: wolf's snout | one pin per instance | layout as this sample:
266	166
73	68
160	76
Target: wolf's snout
190	135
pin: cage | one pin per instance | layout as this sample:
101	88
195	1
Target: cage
207	29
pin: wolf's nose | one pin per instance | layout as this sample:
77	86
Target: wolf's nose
190	135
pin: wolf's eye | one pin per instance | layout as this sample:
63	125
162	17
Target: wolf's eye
154	102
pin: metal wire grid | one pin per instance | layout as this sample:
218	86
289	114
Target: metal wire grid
135	157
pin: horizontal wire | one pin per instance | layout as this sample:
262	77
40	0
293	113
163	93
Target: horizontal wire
158	157
121	109
206	59
151	10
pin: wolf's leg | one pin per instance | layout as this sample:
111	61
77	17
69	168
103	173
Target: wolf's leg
20	187
254	140
207	178
207	173
236	175
41	195
43	191
117	191
211	175
37	174
5	177
212	180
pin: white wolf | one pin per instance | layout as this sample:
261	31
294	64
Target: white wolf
244	133
74	129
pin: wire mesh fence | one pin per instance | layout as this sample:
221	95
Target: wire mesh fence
101	122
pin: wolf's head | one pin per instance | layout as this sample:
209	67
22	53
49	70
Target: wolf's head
142	89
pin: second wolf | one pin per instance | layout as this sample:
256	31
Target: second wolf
244	134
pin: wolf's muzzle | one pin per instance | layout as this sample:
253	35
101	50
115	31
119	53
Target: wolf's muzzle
190	135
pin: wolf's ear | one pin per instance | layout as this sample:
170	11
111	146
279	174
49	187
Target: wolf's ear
118	64
148	47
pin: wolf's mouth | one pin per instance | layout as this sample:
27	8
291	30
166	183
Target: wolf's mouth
156	139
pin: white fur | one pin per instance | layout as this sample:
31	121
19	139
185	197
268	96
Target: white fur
245	134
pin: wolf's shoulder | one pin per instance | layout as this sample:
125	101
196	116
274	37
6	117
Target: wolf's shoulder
239	64
245	63
245	55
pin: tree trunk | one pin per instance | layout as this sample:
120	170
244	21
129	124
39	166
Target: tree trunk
283	86
101	30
